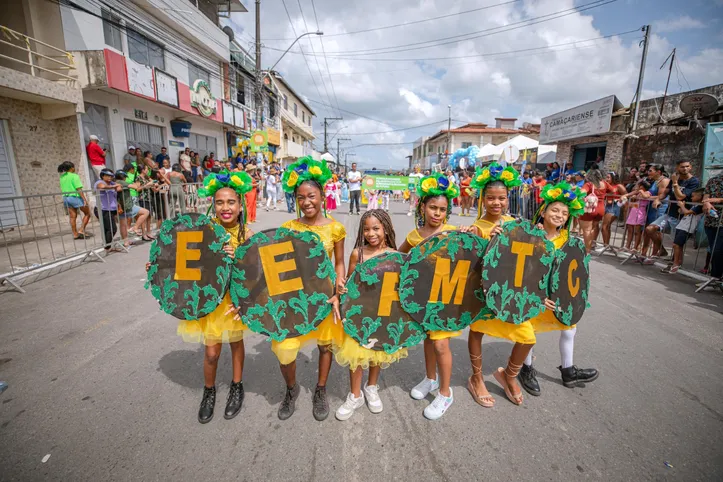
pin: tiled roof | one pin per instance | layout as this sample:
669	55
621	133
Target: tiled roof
479	128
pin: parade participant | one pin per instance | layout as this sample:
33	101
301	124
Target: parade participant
431	214
252	195
330	191
466	198
372	199
412	186
306	178
375	237
227	191
494	183
562	203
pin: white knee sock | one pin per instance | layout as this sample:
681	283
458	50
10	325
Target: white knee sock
528	360
567	347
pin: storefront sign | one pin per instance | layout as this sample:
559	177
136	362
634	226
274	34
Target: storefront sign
274	136
227	113
202	99
140	79
585	120
181	128
175	144
713	158
140	114
166	88
386	183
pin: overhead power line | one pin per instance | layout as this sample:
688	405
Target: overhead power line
323	51
351	54
414	22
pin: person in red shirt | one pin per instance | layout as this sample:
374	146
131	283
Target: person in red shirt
96	155
538	181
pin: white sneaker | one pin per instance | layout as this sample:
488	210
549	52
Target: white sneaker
423	388
373	401
439	405
347	409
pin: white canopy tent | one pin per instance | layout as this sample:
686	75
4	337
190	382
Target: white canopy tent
512	147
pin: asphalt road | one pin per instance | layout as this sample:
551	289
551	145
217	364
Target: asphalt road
101	388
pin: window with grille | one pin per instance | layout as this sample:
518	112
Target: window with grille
111	29
144	136
195	72
145	51
203	145
465	145
296	110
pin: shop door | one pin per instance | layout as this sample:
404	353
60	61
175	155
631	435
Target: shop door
95	122
203	145
144	136
12	212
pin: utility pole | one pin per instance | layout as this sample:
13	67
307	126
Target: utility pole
338	147
326	144
449	128
346	154
645	41
670	70
259	76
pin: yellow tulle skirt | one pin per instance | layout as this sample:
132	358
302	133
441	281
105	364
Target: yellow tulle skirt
442	335
351	354
522	333
327	333
214	328
547	322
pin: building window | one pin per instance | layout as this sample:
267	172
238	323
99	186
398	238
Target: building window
145	51
296	110
303	117
309	120
465	145
286	102
195	73
272	108
240	89
111	29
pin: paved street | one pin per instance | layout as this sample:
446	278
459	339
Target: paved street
99	381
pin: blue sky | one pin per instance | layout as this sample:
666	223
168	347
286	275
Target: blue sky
560	72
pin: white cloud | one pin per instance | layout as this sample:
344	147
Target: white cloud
529	84
674	24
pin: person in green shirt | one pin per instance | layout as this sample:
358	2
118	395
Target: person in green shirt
74	199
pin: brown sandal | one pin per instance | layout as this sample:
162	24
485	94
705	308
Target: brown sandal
486	401
511	371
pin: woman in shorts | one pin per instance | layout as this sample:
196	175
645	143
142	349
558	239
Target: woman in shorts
74	199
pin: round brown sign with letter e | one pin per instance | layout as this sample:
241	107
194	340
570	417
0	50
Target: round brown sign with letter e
441	282
373	315
569	285
189	271
281	280
516	270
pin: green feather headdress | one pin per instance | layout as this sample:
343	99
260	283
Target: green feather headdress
240	182
305	169
437	184
573	197
495	172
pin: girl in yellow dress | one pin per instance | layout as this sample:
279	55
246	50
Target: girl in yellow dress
562	203
376	237
493	183
431	215
305	179
228	192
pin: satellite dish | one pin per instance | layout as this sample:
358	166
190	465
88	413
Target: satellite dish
699	105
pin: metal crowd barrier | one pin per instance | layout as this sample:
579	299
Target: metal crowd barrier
635	242
37	241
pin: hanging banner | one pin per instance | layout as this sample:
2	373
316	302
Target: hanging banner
441	284
385	183
569	284
516	270
189	271
373	315
281	280
259	141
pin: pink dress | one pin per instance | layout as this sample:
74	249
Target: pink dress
638	212
330	192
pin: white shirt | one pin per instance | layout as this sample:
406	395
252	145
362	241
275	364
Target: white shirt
271	183
354	178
